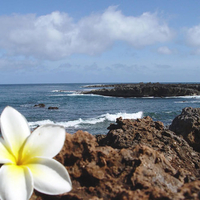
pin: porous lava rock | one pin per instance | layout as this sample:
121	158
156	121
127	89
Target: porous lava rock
190	191
129	133
52	108
187	124
146	90
40	105
153	163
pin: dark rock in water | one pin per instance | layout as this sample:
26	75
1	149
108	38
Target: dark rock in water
187	124
147	89
137	159
53	108
40	105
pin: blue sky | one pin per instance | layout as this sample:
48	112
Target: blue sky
87	41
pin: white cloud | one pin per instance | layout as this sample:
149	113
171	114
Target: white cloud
164	50
193	38
56	35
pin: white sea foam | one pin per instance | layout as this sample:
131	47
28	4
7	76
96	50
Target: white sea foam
26	105
73	95
55	91
90	121
40	123
64	91
112	117
186	97
191	97
172	97
187	102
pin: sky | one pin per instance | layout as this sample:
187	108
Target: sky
99	41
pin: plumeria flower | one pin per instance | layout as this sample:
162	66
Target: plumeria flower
27	158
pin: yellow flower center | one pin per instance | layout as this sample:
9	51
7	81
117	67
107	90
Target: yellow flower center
21	158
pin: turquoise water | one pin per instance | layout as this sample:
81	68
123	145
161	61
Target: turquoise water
90	113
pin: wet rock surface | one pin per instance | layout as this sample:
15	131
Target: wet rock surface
52	108
137	159
146	90
187	124
40	105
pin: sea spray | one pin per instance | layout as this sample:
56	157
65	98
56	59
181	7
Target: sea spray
78	123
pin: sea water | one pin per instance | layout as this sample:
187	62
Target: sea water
92	113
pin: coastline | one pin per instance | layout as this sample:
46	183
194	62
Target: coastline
137	159
92	113
146	89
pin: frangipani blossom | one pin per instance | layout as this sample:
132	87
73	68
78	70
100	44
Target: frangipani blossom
27	158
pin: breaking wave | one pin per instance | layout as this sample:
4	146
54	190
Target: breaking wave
78	123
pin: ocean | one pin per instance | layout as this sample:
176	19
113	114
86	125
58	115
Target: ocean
91	113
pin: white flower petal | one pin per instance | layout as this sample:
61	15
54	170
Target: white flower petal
5	155
45	141
14	128
16	183
49	176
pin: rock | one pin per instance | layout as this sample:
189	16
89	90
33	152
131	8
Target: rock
40	105
137	160
52	108
146	90
128	133
190	190
141	170
187	124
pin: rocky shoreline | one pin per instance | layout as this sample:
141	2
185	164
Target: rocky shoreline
137	159
145	90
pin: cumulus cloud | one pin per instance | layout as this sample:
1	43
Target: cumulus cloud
56	35
164	50
193	38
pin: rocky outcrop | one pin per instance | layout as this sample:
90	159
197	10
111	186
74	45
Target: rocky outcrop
52	108
128	133
187	124
40	105
146	90
137	159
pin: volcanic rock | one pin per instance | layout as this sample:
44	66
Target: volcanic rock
52	108
190	190
187	124
146	90
128	133
137	159
40	105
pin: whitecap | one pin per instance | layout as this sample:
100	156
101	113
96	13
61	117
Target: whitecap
112	117
186	97
26	105
64	91
39	123
90	121
187	102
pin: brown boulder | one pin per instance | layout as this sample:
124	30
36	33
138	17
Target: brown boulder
136	172
187	124
52	108
40	105
128	133
190	191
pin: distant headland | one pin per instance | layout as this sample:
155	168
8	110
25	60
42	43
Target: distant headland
146	89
